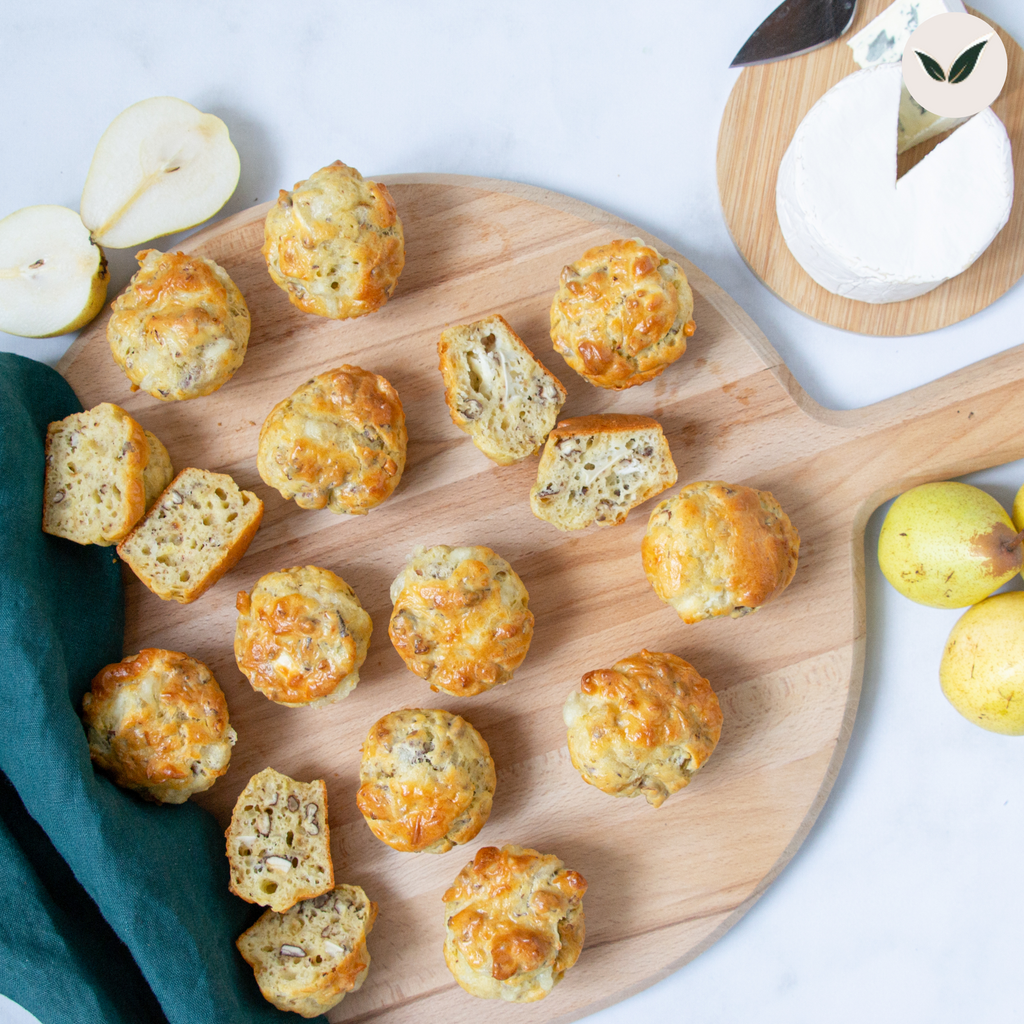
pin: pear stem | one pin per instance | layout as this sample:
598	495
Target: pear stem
1016	542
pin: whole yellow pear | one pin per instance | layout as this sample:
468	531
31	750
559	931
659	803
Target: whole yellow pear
1017	512
982	669
948	545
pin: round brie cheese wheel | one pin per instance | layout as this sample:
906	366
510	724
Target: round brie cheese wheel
864	235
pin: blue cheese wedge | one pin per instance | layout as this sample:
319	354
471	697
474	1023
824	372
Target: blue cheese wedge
917	125
882	41
861	233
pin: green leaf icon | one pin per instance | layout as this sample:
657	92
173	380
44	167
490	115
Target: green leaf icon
932	66
964	64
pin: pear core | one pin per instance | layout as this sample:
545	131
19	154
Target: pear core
982	668
53	277
948	545
161	166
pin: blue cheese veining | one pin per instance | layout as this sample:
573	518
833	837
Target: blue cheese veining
882	41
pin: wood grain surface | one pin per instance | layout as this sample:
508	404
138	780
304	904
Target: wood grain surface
664	884
761	116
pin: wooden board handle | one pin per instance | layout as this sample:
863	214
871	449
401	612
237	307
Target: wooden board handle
963	422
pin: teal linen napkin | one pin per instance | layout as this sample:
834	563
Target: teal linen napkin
114	910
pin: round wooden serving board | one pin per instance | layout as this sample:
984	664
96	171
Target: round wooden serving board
764	109
664	884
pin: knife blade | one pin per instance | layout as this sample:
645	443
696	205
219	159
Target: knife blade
795	27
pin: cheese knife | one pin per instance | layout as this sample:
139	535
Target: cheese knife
795	27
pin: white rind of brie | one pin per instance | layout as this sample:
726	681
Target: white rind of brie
864	235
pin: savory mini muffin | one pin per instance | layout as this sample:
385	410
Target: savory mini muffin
496	390
645	725
719	549
181	328
335	243
594	469
337	442
460	619
621	314
426	781
301	636
157	723
513	923
200	526
279	845
94	489
309	958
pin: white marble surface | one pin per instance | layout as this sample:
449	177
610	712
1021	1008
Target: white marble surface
904	904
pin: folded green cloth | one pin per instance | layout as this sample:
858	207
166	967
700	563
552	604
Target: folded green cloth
115	911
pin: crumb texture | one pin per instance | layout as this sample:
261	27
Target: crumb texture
496	390
199	528
278	842
158	472
309	958
94	489
594	469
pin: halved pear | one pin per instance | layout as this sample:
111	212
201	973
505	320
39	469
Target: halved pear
161	166
53	277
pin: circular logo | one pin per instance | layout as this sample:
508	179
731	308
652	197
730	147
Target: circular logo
954	65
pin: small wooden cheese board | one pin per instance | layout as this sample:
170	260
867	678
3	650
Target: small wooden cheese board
761	116
663	884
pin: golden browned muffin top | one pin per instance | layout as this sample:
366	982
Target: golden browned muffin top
719	549
514	923
181	328
645	725
338	442
157	722
426	780
335	243
460	618
301	636
622	313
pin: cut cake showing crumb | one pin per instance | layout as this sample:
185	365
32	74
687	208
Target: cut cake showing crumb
594	469
496	390
278	842
95	461
307	959
195	532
